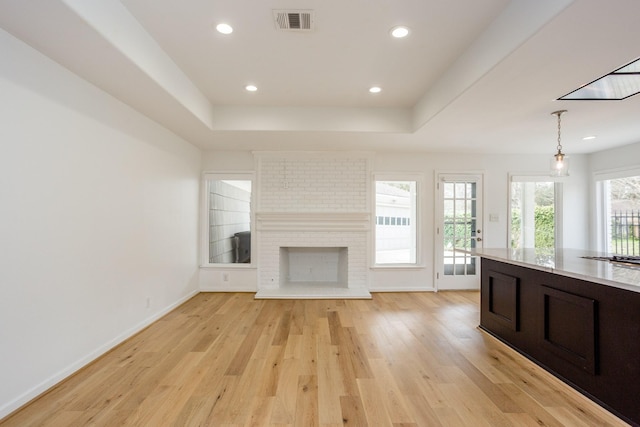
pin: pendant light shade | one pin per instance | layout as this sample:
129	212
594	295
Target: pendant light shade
559	161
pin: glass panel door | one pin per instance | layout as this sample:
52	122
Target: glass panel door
459	231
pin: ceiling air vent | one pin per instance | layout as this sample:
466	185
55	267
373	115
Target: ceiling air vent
293	20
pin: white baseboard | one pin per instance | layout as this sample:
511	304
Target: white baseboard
36	391
228	289
403	289
462	288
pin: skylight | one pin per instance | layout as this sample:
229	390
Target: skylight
619	84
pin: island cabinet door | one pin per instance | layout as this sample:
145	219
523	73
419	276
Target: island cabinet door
506	310
569	328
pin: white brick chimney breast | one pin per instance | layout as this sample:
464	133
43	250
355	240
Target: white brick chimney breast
313	208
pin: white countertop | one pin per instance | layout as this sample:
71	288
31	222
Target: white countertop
569	262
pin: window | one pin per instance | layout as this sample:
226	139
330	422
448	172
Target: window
227	218
395	232
534	213
619	218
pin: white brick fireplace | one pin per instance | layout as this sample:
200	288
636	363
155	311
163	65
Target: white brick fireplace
313	209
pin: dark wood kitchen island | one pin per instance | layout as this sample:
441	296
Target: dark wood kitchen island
578	318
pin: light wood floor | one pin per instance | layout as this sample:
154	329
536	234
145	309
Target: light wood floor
400	359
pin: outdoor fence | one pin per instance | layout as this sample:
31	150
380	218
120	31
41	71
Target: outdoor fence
625	232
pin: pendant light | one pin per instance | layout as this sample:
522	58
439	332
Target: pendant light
559	161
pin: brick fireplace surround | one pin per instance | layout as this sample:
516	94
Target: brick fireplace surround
313	200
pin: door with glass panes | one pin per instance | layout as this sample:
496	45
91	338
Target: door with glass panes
458	230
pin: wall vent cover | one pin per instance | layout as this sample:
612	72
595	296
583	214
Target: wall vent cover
293	20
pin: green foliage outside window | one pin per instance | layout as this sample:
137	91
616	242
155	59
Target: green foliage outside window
544	227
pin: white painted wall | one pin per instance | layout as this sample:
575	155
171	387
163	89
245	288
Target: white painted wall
98	222
625	157
496	169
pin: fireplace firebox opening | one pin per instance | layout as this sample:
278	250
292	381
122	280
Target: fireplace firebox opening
317	266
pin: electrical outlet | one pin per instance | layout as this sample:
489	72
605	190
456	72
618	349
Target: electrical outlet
225	277
148	302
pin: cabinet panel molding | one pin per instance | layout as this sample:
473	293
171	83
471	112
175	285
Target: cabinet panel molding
570	328
504	299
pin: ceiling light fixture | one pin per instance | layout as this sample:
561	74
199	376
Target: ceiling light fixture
375	89
399	32
251	88
224	28
559	162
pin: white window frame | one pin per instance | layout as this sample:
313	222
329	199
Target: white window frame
204	217
419	179
557	203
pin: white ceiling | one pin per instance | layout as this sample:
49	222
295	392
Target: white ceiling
472	76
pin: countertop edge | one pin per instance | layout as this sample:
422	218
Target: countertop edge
565	272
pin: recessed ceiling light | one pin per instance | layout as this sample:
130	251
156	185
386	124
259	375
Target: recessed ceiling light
224	28
399	32
587	138
375	89
251	88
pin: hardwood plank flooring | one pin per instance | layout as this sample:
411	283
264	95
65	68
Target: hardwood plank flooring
399	359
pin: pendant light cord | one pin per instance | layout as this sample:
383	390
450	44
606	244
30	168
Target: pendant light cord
559	113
